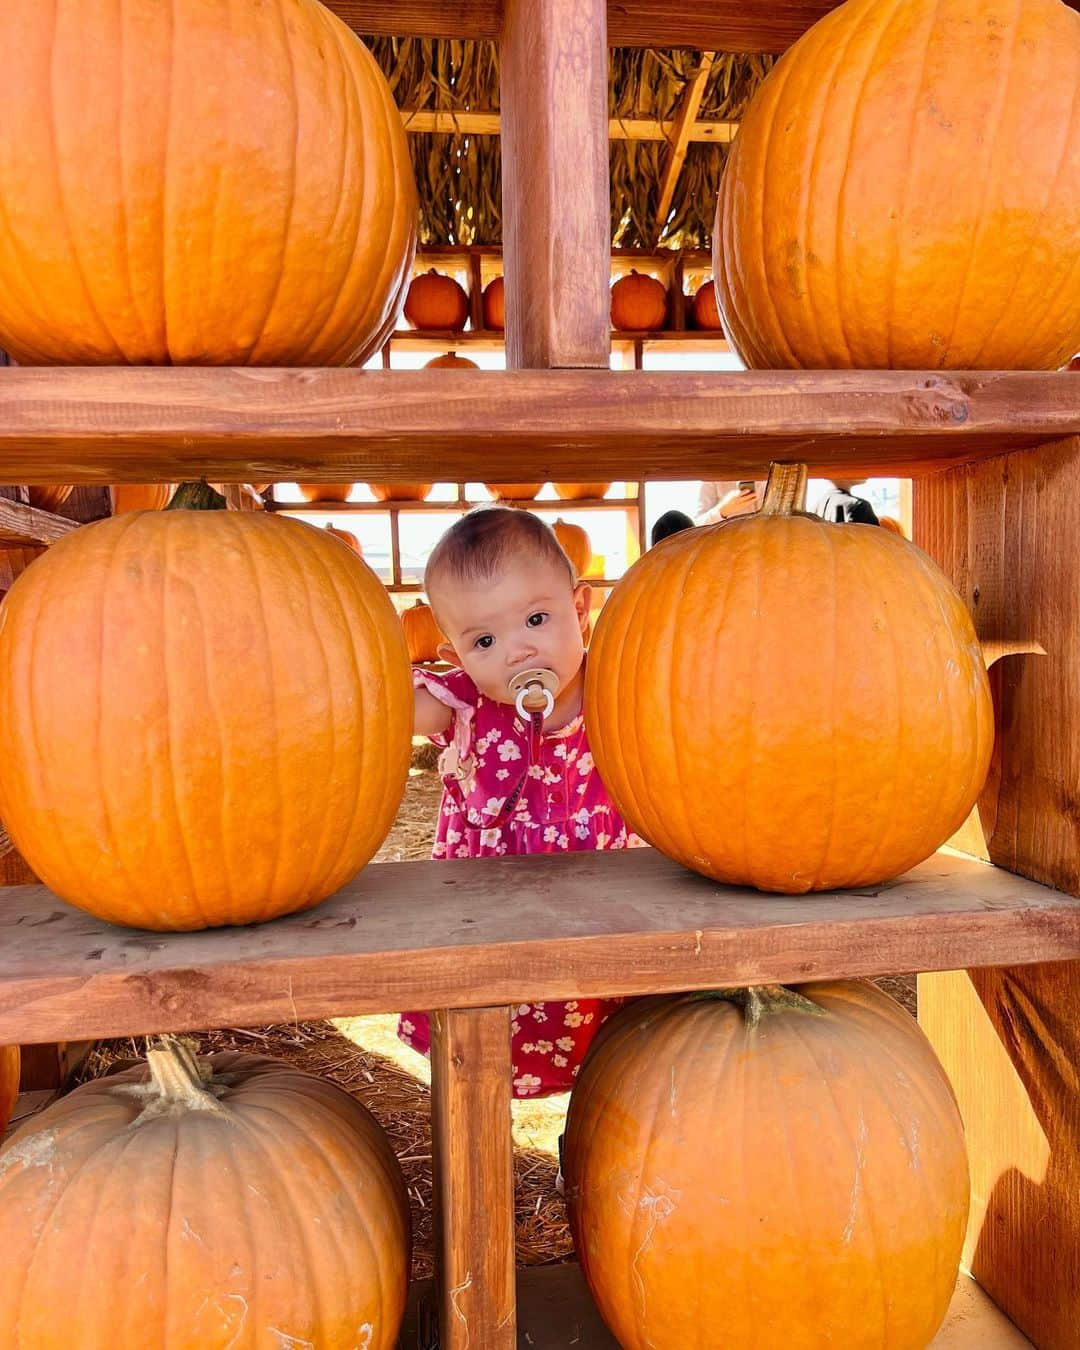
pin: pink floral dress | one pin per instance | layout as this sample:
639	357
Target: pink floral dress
557	804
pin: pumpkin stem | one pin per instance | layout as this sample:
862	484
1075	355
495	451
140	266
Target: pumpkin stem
785	492
197	497
760	999
177	1076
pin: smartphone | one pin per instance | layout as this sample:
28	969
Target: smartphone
748	487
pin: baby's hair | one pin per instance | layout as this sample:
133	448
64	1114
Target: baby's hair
476	546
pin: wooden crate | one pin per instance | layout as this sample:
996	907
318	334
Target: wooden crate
996	458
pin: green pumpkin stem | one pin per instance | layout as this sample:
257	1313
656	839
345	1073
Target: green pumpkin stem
785	492
178	1077
198	496
760	999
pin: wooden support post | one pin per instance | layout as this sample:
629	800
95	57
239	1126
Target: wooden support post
1010	1037
556	210
474	1177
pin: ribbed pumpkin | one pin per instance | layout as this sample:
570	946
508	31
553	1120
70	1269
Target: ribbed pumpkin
229	1204
436	301
786	703
422	634
325	492
705	311
347	538
207	717
400	492
198	184
576	492
9	1083
50	497
451	361
895	197
514	492
494	305
576	544
638	303
140	497
767	1167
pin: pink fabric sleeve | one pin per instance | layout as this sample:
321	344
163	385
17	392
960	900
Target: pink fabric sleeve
456	691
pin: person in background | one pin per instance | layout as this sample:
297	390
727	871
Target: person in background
721	501
843	507
671	522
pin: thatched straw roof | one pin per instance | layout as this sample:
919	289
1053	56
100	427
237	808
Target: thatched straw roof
459	175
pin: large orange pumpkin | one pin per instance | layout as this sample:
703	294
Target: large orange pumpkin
207	717
574	492
576	544
198	184
227	1204
347	538
422	632
781	702
705	311
9	1083
451	361
514	492
436	301
638	303
50	497
783	1168
494	305
400	492
894	197
140	497
325	492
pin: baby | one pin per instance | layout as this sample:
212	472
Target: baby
515	779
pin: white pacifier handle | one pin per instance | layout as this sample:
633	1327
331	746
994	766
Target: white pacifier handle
534	691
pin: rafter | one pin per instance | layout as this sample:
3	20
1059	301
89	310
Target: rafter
685	118
619	128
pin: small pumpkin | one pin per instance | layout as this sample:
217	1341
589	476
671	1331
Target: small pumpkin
826	1201
207	717
50	497
514	492
892	524
140	497
813	708
436	301
706	313
347	538
325	492
494	305
638	303
577	492
576	544
400	492
422	633
229	1202
9	1083
451	361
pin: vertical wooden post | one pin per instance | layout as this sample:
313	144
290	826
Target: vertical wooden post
474	1178
1010	1038
556	198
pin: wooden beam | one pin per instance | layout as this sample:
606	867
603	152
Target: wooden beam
468	123
685	117
132	425
556	207
491	931
21	525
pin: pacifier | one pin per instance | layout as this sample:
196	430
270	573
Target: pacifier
534	692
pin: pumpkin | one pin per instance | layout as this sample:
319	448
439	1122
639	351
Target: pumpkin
347	538
638	303
229	1204
781	1167
264	216
451	361
514	492
9	1083
422	632
1074	364
207	717
436	301
890	523
50	497
325	492
781	702
705	312
893	199
575	544
400	492
494	305
577	492
140	497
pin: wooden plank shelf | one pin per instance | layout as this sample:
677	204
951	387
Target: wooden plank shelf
22	525
101	425
490	932
494	338
406	507
556	1312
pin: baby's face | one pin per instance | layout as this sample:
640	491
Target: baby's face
529	615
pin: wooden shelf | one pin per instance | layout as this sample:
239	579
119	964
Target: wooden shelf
22	525
102	425
556	1312
494	338
495	931
582	504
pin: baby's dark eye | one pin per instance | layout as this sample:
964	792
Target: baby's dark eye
535	620
484	642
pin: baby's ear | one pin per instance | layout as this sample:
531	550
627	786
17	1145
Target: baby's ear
582	603
446	653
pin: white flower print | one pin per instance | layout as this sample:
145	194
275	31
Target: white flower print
483	742
573	1019
539	1015
560	1061
565	1043
525	1009
572	1005
585	763
571	754
581	831
588	1018
527	1047
502	773
493	805
462	851
527	1084
551	833
550	776
583	816
509	750
453	836
536	771
602	841
489	838
564	841
439	851
544	1047
407	1027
